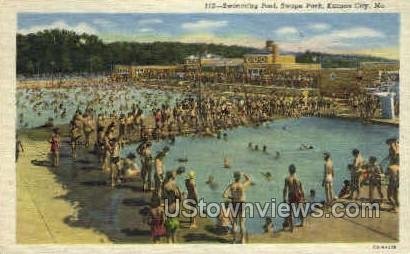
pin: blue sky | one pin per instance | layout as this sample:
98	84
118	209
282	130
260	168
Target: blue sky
372	34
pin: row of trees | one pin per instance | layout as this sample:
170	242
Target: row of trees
59	51
336	61
62	51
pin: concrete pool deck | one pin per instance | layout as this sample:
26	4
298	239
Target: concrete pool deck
53	207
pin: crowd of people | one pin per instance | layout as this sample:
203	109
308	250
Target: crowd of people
362	172
294	78
205	114
366	106
110	134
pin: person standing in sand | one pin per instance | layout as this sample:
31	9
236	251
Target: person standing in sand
394	154
159	172
108	136
88	128
19	147
355	173
192	195
157	219
328	176
75	135
375	178
224	220
147	168
236	193
115	161
393	186
293	194
172	195
55	147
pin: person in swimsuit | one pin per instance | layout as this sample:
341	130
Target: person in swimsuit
393	187
170	188
293	194
157	219
345	191
115	162
236	193
268	226
129	170
55	147
394	154
75	135
144	150
355	173
159	173
375	178
148	165
19	147
99	144
192	195
106	164
328	176
172	195
224	220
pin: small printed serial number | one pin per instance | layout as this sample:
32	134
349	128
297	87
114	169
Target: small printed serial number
384	247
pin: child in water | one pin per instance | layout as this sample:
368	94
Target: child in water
264	149
268	226
227	163
345	191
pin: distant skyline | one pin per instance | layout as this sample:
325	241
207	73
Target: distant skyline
375	34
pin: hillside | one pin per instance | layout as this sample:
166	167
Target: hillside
62	51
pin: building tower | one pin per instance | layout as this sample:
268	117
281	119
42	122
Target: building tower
272	47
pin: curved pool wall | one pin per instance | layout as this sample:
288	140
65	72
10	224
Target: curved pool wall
339	137
79	97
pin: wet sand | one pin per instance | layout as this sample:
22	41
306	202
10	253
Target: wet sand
73	204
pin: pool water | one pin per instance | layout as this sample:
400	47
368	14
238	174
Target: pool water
339	137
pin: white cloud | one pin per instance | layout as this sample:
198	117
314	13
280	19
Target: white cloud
237	39
287	31
103	22
145	30
319	27
337	40
79	28
357	32
143	22
204	25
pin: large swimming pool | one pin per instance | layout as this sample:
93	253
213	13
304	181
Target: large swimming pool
339	137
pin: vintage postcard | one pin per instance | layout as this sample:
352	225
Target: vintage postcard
270	126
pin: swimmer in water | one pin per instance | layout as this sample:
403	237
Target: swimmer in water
172	140
227	163
264	149
305	147
256	148
211	182
218	135
250	145
267	175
